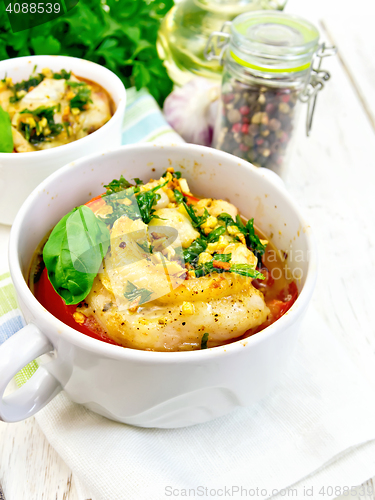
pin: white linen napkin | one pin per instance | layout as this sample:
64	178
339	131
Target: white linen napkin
314	433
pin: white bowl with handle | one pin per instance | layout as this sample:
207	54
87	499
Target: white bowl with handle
145	388
20	173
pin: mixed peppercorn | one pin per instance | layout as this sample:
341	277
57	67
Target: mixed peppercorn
256	123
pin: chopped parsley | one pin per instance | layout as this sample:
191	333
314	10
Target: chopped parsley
246	270
43	111
242	269
63	75
227	219
252	240
175	175
146	200
146	246
215	234
66	127
191	253
82	95
197	220
222	257
180	198
204	341
119	208
138	181
20	88
132	292
44	130
74	84
139	205
116	185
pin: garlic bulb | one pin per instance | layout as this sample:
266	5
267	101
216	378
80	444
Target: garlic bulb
191	110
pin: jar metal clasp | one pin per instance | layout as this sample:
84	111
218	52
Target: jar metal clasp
217	43
318	77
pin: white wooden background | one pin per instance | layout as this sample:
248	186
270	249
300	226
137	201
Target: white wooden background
332	175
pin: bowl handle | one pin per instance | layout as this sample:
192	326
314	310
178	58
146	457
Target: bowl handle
19	350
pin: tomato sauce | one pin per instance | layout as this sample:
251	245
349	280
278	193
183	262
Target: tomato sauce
46	295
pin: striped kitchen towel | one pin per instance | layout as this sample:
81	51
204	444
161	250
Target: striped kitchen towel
144	122
11	321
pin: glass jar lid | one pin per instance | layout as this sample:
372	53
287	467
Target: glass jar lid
273	42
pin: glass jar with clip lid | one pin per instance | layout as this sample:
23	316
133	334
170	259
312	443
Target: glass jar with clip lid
272	62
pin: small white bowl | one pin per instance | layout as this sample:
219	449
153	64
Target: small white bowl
20	173
144	388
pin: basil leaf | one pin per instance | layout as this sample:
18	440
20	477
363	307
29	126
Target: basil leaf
6	137
74	252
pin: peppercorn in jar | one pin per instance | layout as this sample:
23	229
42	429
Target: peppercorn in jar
267	60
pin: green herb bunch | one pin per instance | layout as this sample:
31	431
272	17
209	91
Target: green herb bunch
118	34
